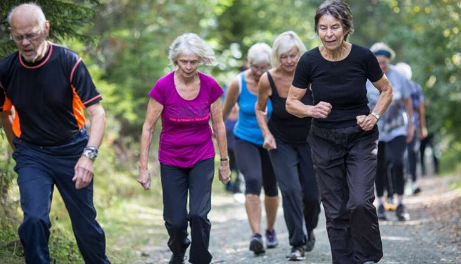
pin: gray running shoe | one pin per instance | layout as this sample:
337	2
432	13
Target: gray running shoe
271	239
297	254
256	244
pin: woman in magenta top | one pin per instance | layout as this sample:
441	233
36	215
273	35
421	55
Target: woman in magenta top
186	100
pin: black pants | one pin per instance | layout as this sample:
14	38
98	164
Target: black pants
345	163
254	163
390	158
412	154
293	168
233	186
39	170
428	141
176	183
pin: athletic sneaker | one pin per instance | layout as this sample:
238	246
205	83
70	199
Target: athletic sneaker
271	239
382	212
177	259
310	243
401	213
390	205
256	244
297	254
416	189
239	198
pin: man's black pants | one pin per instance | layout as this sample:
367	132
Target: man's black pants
345	162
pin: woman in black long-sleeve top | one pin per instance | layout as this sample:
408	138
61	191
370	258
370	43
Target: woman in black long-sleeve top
343	134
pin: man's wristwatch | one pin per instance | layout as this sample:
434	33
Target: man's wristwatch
90	152
377	116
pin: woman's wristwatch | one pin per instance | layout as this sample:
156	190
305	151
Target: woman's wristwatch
377	116
224	159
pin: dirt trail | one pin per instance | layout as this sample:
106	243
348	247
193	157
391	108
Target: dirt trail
420	240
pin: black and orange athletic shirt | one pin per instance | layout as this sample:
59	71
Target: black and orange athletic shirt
48	96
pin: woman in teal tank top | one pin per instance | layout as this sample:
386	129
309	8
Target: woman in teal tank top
247	127
252	159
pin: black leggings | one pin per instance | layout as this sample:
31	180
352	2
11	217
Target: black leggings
413	150
390	155
254	163
428	141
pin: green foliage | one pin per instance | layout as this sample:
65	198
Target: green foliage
451	157
68	20
426	35
125	45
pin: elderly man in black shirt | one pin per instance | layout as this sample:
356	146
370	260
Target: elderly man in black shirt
44	90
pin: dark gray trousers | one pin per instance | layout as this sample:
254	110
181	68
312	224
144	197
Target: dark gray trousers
345	162
176	184
293	168
391	155
413	151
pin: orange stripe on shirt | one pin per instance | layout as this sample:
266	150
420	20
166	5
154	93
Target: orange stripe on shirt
7	104
16	125
73	69
77	107
92	99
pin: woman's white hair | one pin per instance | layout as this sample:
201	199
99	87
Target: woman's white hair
382	46
190	43
405	69
283	43
36	11
259	53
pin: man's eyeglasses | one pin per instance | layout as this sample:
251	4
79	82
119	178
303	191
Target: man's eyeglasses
29	37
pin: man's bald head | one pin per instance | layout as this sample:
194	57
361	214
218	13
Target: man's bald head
27	12
29	30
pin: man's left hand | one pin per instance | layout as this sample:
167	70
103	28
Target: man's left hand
83	172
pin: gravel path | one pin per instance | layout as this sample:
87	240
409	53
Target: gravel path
414	241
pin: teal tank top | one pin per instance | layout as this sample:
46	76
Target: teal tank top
247	127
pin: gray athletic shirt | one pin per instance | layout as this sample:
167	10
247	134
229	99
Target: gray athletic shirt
394	121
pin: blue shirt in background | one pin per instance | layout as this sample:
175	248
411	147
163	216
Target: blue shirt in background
247	127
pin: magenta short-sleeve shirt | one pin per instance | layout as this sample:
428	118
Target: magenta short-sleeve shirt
186	135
